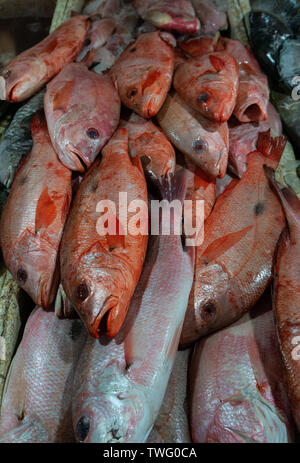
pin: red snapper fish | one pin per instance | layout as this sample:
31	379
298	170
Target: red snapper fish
236	392
173	15
34	215
31	70
234	263
209	83
82	110
286	294
144	72
253	93
200	188
99	272
198	46
203	141
37	401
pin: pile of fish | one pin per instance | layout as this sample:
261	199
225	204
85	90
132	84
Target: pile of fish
140	337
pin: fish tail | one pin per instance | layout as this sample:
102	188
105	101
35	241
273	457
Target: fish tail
288	199
173	186
271	147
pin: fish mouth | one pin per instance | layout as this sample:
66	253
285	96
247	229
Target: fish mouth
104	323
77	159
2	88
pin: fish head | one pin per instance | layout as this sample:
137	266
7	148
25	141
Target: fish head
20	79
80	137
113	411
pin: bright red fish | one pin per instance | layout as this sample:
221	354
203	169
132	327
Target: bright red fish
29	71
34	216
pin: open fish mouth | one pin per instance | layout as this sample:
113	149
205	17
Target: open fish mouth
104	322
76	158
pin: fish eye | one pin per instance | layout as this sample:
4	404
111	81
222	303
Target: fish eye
83	427
199	145
21	276
6	73
92	133
86	42
82	291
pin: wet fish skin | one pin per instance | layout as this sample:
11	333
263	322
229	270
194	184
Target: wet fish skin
235	384
120	385
243	139
33	217
253	92
234	263
31	70
38	392
99	273
149	143
171	15
172	425
197	46
286	294
82	110
96	37
203	141
144	72
16	142
212	15
209	83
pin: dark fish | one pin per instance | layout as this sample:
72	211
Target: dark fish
289	110
16	142
288	65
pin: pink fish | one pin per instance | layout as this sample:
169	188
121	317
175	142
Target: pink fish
243	139
173	15
236	391
212	15
34	215
253	94
82	110
37	400
96	37
29	71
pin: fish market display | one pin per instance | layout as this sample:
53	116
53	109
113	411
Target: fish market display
33	217
174	15
29	71
287	295
171	424
100	271
144	72
141	144
149	143
82	110
236	391
120	385
209	83
16	142
205	142
234	263
37	399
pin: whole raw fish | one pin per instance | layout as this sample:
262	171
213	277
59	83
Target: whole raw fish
120	385
173	15
96	37
212	15
144	72
200	187
82	110
198	46
236	392
203	141
126	21
209	83
37	399
234	263
100	272
16	141
171	425
243	139
149	143
253	93
28	72
286	297
33	217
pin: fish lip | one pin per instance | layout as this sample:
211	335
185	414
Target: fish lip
77	158
96	330
2	88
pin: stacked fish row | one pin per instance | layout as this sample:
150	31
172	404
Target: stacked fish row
165	100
